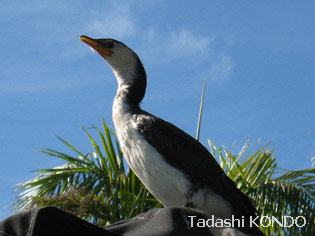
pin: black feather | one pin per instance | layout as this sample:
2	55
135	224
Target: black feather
185	153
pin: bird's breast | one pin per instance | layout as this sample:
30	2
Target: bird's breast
166	183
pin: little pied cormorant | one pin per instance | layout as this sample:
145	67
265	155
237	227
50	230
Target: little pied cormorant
174	167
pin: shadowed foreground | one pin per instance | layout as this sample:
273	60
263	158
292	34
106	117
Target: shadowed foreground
51	221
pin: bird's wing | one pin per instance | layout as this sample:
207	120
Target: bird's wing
182	151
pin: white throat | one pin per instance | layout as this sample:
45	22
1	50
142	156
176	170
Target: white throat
121	108
123	65
124	78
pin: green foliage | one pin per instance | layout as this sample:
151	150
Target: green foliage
98	186
95	186
274	192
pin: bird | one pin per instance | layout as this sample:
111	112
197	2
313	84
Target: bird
175	168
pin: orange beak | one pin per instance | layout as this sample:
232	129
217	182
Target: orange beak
103	51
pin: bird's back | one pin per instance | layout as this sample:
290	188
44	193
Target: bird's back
185	153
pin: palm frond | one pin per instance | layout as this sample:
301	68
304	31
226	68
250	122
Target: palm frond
273	191
95	186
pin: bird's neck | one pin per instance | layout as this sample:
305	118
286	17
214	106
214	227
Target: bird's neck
130	92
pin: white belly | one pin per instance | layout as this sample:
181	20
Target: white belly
163	181
169	185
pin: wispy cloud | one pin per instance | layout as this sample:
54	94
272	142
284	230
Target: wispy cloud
157	46
118	23
185	39
164	47
55	43
221	68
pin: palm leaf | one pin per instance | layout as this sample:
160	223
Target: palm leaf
95	186
273	191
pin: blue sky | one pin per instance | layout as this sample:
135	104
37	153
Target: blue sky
258	58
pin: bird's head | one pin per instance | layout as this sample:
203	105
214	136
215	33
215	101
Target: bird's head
124	62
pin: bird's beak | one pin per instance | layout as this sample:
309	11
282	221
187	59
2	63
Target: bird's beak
100	48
